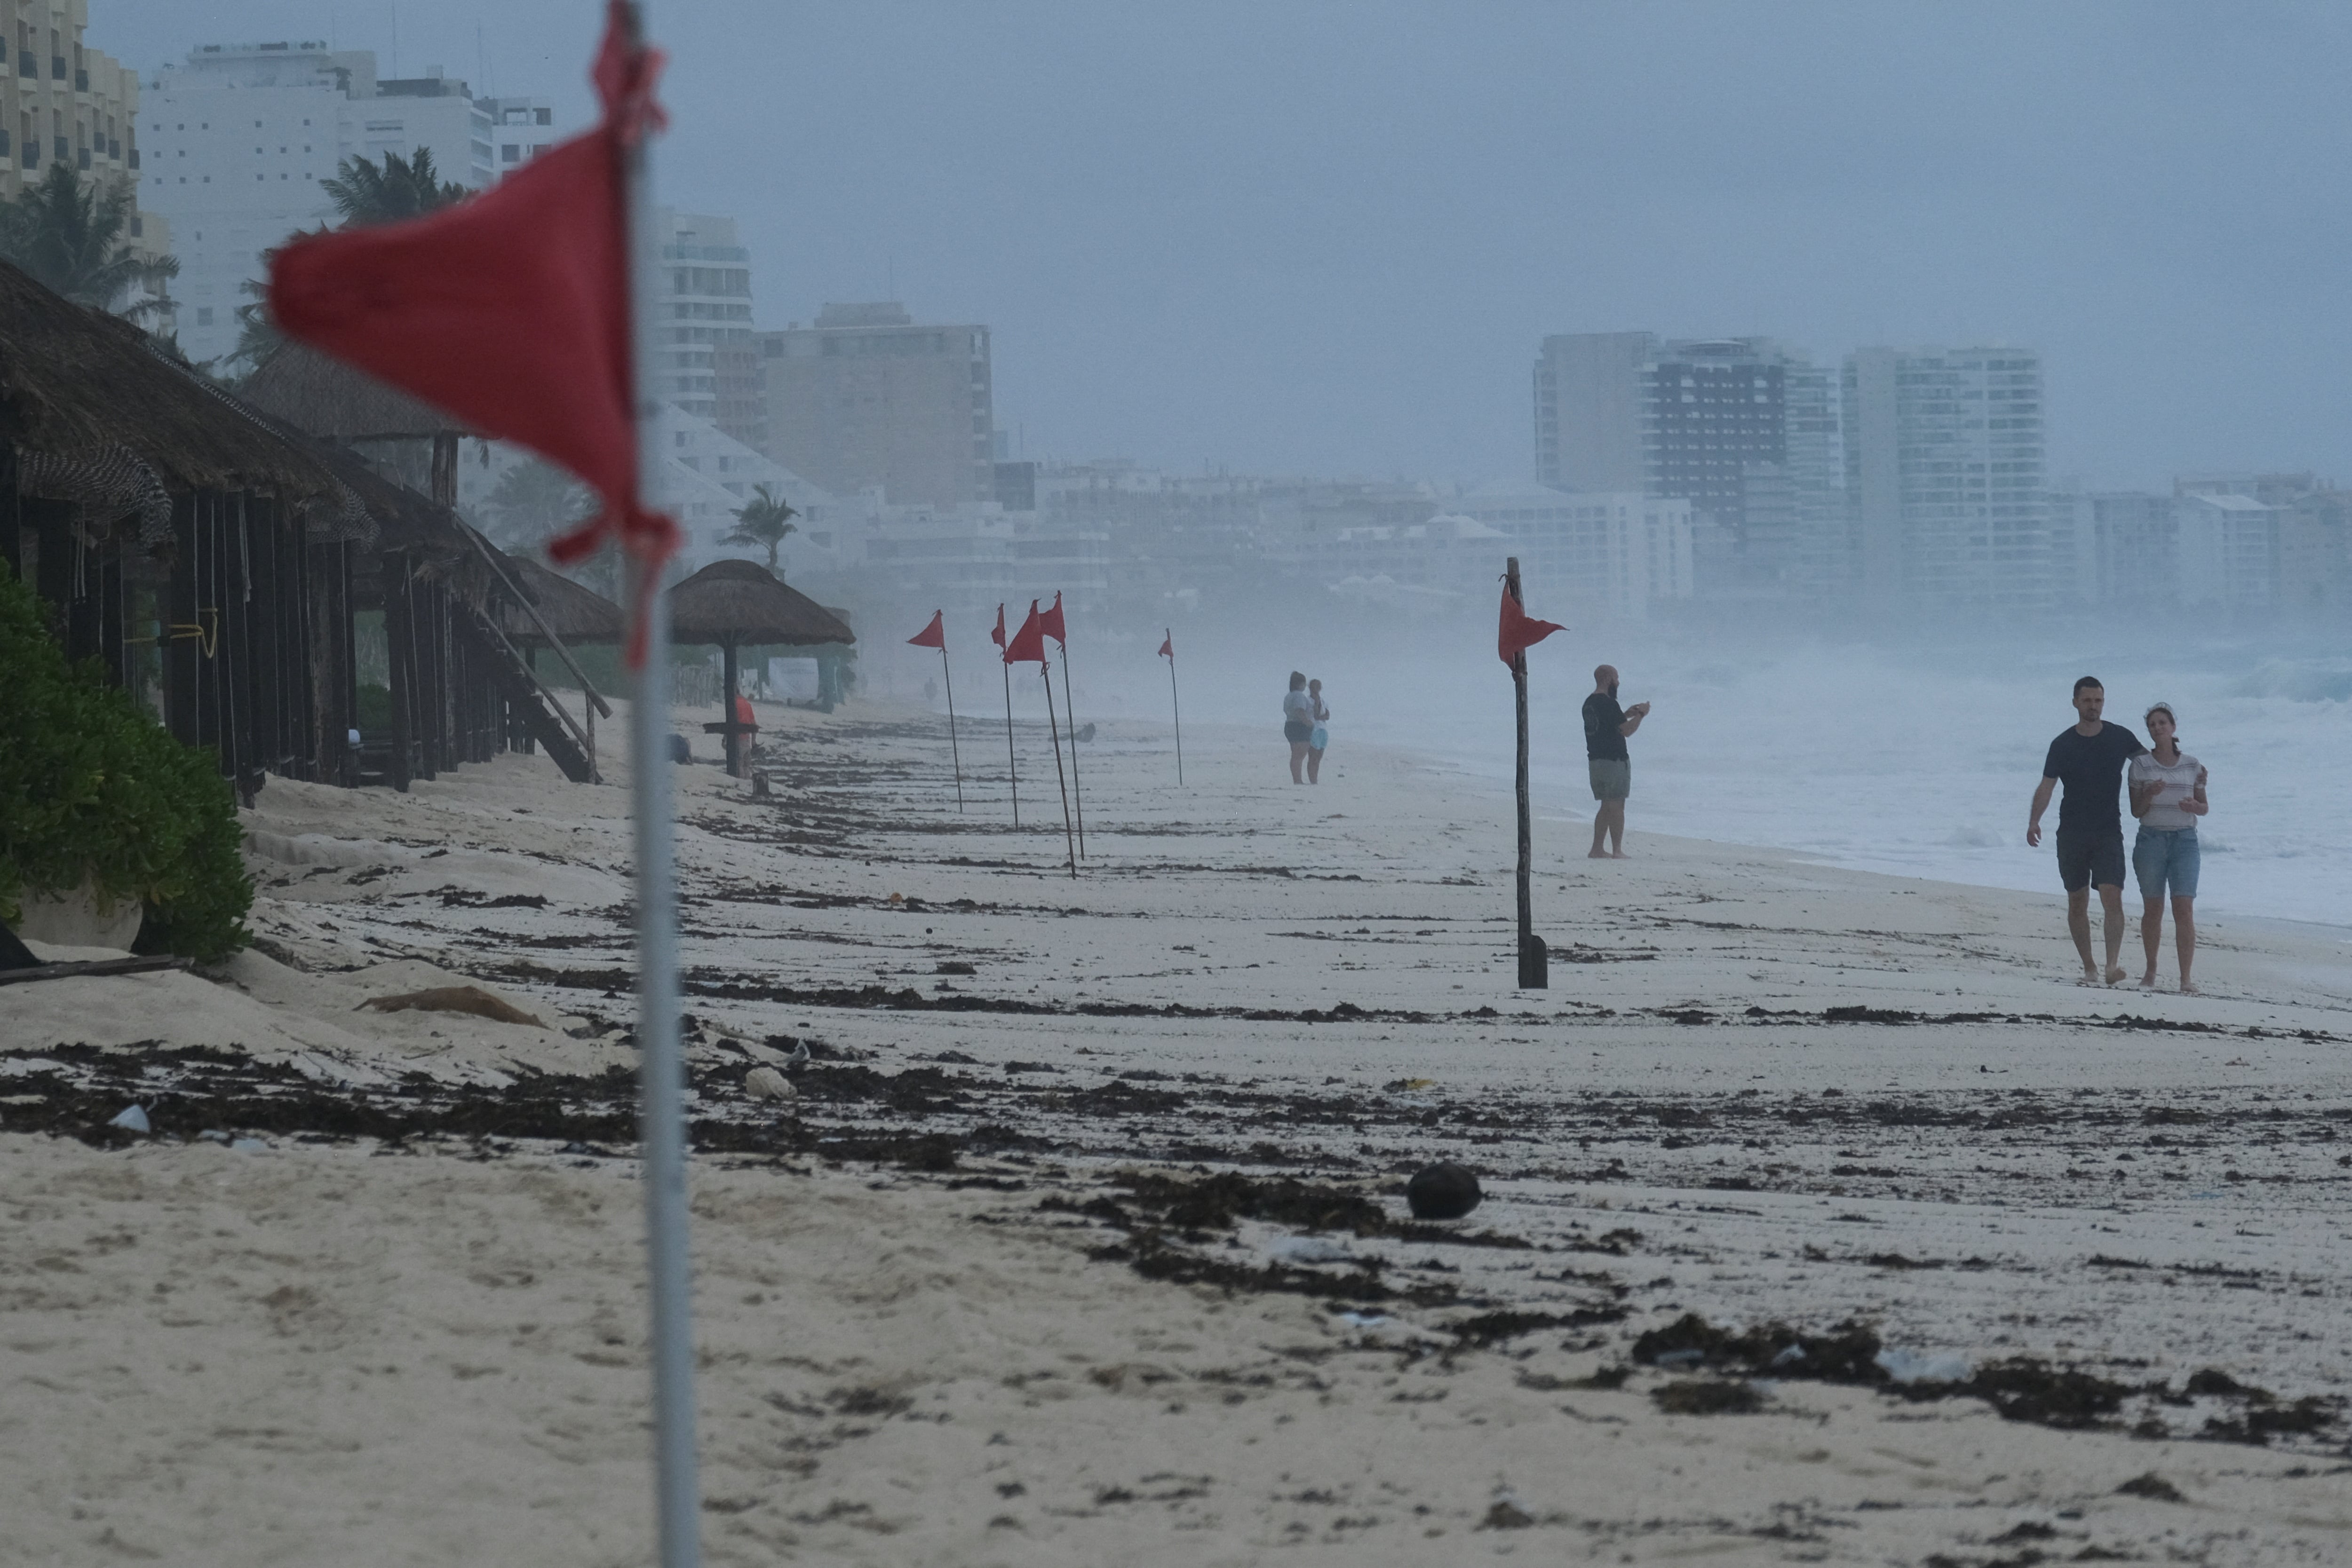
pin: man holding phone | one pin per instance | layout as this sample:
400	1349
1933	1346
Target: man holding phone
1606	725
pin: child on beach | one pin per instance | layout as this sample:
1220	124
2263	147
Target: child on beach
1319	737
2168	796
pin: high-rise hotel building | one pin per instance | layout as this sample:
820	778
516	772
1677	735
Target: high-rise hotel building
1745	429
239	138
62	102
1945	474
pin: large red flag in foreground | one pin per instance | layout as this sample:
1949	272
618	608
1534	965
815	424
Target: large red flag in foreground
1051	624
1029	643
934	635
1168	646
1519	630
510	310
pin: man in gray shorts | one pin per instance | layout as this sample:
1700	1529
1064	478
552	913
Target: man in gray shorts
1606	725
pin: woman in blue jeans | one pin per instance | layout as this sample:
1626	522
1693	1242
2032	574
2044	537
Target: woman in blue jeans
2168	796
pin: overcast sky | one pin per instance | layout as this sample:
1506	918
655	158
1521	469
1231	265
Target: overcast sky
1325	238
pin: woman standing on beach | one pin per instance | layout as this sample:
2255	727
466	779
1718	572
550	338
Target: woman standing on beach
2168	796
1298	724
1317	738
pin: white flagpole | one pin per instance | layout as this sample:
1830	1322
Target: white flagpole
662	1064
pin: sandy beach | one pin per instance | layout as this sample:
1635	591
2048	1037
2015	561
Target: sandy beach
1078	1232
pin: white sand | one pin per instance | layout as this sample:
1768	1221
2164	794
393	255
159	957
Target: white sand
321	1353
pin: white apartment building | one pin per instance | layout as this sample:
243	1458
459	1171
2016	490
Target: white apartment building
61	102
705	310
1618	551
238	137
705	478
1945	474
2229	552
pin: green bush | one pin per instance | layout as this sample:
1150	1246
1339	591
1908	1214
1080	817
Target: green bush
91	786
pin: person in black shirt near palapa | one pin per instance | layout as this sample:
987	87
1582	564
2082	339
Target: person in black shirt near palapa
2089	758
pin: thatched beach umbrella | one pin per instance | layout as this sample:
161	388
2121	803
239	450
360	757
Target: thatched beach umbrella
737	604
577	615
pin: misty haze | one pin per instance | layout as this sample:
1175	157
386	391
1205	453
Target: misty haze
1216	784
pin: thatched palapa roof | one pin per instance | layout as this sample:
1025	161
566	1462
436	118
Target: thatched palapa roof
741	601
75	380
322	395
578	615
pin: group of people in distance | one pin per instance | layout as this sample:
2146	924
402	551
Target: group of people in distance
2166	789
1304	724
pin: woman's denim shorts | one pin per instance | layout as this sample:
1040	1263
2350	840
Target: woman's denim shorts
2162	855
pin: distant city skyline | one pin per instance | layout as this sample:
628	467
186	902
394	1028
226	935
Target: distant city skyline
1333	234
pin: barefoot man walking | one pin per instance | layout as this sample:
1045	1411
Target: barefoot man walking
1606	725
2090	757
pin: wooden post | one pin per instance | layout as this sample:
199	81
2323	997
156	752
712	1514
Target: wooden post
735	745
399	642
1534	961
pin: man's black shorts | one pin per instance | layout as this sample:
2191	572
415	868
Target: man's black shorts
2091	855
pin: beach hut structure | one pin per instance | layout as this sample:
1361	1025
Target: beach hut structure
738	604
213	557
412	441
202	557
460	687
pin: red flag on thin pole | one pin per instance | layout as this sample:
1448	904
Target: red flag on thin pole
935	635
1028	645
1011	767
1168	651
1519	630
1054	626
510	310
516	310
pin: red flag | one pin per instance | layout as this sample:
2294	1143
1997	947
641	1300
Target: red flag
997	636
510	310
1168	646
1521	631
934	635
1029	643
1051	622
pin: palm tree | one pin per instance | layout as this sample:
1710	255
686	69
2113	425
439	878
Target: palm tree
765	519
367	192
364	192
71	237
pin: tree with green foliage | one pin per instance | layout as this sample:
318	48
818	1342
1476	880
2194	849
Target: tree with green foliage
533	502
72	235
93	790
365	192
765	519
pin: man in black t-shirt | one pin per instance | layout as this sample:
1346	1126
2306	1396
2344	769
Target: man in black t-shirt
1606	725
2089	758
